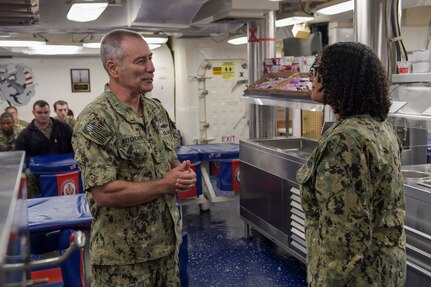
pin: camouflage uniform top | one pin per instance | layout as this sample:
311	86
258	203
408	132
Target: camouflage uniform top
353	198
22	124
68	120
7	143
112	142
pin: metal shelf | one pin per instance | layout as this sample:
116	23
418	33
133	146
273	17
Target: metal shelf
411	78
286	101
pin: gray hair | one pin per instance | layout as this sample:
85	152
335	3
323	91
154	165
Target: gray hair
111	47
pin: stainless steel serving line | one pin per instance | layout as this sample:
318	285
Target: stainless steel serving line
270	200
418	223
13	218
269	196
15	263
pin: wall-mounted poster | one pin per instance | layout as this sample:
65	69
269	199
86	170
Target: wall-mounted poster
80	80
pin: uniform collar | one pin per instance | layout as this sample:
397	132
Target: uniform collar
127	112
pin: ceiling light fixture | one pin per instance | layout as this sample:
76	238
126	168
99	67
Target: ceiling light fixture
238	40
95	45
293	18
155	40
56	50
153	43
335	7
154	46
21	43
86	10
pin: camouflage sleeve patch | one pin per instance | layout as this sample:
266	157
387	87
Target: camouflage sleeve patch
94	151
343	195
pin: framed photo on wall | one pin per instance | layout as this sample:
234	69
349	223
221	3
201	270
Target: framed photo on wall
80	79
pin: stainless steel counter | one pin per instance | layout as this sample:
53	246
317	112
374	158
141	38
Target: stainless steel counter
13	217
269	195
418	224
270	201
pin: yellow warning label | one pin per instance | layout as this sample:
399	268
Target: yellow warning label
216	70
228	71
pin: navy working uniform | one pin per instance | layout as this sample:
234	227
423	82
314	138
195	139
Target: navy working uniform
112	142
353	198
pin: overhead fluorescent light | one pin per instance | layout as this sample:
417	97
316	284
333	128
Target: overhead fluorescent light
238	40
335	7
95	45
85	11
293	20
154	46
56	50
155	40
21	43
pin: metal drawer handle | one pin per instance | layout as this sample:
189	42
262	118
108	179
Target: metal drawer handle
418	268
417	250
417	232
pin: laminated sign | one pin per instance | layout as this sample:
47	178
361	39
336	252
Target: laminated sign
228	71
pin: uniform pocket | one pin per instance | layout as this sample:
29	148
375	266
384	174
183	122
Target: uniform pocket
134	151
170	142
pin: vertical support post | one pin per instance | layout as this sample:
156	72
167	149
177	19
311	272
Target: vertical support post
262	119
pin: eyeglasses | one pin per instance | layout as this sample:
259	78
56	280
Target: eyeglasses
313	69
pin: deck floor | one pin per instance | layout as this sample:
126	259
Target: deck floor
221	255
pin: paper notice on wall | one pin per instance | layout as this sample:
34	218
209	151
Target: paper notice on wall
228	71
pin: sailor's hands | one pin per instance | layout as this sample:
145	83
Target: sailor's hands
187	179
181	178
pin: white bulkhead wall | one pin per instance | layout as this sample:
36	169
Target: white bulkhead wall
191	58
52	78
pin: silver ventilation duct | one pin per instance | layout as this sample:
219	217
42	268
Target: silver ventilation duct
231	11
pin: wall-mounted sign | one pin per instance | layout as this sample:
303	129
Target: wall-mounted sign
216	70
16	84
228	71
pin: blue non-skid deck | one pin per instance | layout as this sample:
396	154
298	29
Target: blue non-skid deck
221	255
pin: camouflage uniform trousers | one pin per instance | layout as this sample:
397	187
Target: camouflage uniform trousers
162	272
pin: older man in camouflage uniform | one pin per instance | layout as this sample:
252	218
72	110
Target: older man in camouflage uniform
125	146
9	132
